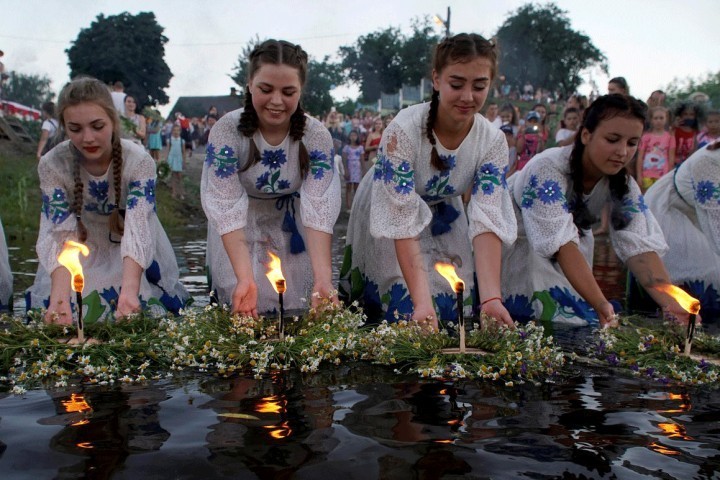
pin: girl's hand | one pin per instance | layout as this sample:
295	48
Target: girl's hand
322	291
607	316
59	312
244	299
497	311
127	305
425	317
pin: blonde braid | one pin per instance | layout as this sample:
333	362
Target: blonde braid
78	201
115	222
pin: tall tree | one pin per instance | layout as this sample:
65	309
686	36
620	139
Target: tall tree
375	63
30	90
322	77
417	51
128	48
538	45
681	89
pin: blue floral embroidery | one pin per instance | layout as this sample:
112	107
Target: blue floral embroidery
549	193
283	185
398	302
628	208
706	191
136	191
99	192
273	159
110	296
225	163
519	307
371	296
402	177
437	187
487	177
319	164
571	306
446	306
642	206
56	208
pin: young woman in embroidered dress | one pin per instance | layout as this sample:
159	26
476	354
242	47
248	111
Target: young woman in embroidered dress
547	274
269	186
100	190
408	211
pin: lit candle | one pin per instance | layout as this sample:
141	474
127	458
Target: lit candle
70	259
448	272
280	287
274	274
689	304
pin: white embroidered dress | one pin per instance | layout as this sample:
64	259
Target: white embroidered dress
686	203
405	197
533	285
144	239
6	279
273	205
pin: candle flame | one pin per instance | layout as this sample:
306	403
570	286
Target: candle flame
448	272
70	259
688	303
275	274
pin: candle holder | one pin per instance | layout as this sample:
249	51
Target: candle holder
280	287
448	272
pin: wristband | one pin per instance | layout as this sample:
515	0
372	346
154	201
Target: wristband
490	300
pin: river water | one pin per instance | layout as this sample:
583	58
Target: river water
359	421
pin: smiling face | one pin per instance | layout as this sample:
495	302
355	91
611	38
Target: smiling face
610	147
463	89
276	93
130	104
90	130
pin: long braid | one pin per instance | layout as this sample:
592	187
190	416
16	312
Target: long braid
435	159
115	222
618	189
297	132
248	125
582	218
78	200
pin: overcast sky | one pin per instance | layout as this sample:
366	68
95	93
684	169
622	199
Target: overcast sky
649	42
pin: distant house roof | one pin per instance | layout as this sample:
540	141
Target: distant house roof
198	106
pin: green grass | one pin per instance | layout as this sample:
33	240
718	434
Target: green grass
20	199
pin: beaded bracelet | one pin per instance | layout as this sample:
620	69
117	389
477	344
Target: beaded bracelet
490	300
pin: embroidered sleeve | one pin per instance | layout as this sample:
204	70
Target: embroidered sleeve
138	240
396	210
320	190
544	208
57	221
223	197
490	208
642	234
706	186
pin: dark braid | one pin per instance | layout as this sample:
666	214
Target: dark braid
78	200
115	221
459	48
297	132
603	108
435	159
248	125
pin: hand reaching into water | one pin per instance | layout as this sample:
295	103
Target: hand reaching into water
244	299
59	312
127	305
425	317
496	310
323	291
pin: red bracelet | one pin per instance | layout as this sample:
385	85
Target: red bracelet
490	300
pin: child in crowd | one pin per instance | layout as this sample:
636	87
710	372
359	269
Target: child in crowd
656	155
544	126
491	113
352	155
509	132
508	116
175	159
571	120
685	130
711	132
529	141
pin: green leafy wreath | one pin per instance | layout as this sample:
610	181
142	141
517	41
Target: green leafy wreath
163	170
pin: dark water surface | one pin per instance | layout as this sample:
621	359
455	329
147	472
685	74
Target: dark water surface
359	421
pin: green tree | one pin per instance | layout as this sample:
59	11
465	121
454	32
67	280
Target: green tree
128	48
30	90
375	63
417	51
681	89
538	45
322	77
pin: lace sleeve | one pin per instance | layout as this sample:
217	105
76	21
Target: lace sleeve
138	240
223	197
396	210
706	185
544	207
642	234
57	221
490	208
320	197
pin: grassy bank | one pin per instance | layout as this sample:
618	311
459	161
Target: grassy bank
20	199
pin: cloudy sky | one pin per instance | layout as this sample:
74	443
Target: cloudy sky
650	42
